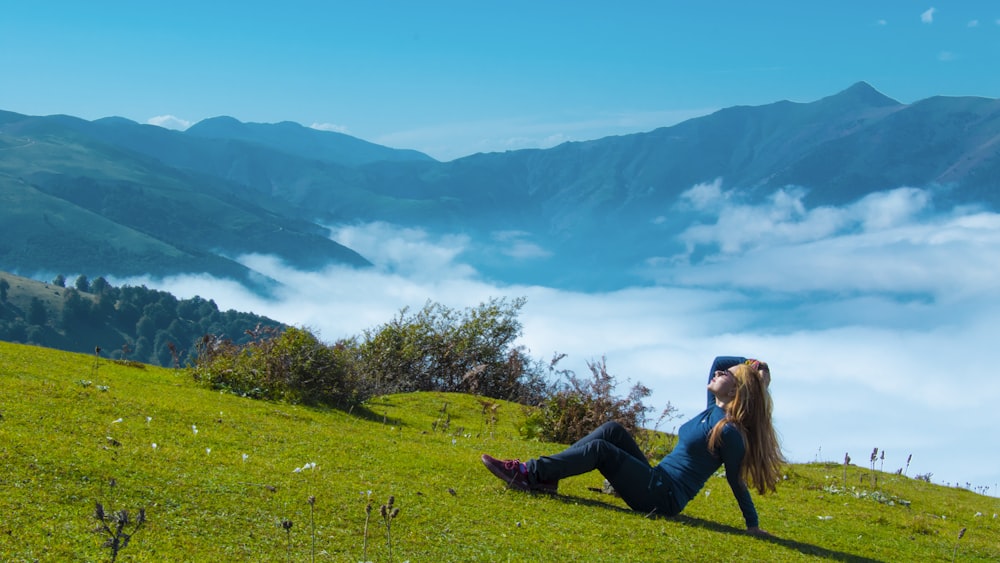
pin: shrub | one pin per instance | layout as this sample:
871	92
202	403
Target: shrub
290	364
581	405
441	349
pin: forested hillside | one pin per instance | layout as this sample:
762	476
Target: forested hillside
132	323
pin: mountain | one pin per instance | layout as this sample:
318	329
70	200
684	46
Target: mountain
140	198
292	138
77	197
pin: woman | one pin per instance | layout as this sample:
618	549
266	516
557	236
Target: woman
734	431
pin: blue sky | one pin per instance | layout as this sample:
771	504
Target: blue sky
883	312
455	78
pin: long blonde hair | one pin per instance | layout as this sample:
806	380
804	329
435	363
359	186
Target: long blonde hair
750	413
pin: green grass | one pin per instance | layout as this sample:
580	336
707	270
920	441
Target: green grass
61	444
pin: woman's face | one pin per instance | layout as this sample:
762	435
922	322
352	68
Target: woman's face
723	385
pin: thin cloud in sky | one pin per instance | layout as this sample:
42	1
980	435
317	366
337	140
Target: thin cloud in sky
331	127
518	244
447	141
873	315
169	122
928	16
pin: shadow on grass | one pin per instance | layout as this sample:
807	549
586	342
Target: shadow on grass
366	413
801	547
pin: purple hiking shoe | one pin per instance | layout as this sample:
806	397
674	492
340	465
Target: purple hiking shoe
515	474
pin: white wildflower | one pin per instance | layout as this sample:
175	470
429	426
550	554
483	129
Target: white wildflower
825	517
149	419
116	421
194	429
245	456
154	445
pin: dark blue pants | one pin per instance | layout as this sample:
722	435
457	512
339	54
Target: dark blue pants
611	450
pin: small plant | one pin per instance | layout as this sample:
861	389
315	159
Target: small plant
97	362
114	526
287	526
443	421
312	524
847	461
908	458
389	513
368	515
961	534
874	476
491	415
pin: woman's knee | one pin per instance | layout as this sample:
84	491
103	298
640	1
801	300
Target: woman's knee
613	427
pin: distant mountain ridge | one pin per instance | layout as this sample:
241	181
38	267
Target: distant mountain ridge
304	142
194	200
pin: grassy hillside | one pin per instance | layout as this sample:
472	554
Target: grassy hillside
217	476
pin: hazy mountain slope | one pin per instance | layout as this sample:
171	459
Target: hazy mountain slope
303	142
113	200
952	142
611	200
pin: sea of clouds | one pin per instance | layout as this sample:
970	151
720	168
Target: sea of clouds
878	318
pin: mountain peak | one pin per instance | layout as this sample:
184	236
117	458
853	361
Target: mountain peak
862	93
221	125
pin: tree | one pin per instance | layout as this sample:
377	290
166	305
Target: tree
37	315
4	286
59	280
82	284
100	285
77	310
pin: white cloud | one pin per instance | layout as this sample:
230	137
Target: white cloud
169	122
973	23
946	56
875	316
882	22
886	242
928	16
703	197
406	251
331	127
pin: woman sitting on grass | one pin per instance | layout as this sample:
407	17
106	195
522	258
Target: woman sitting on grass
735	431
